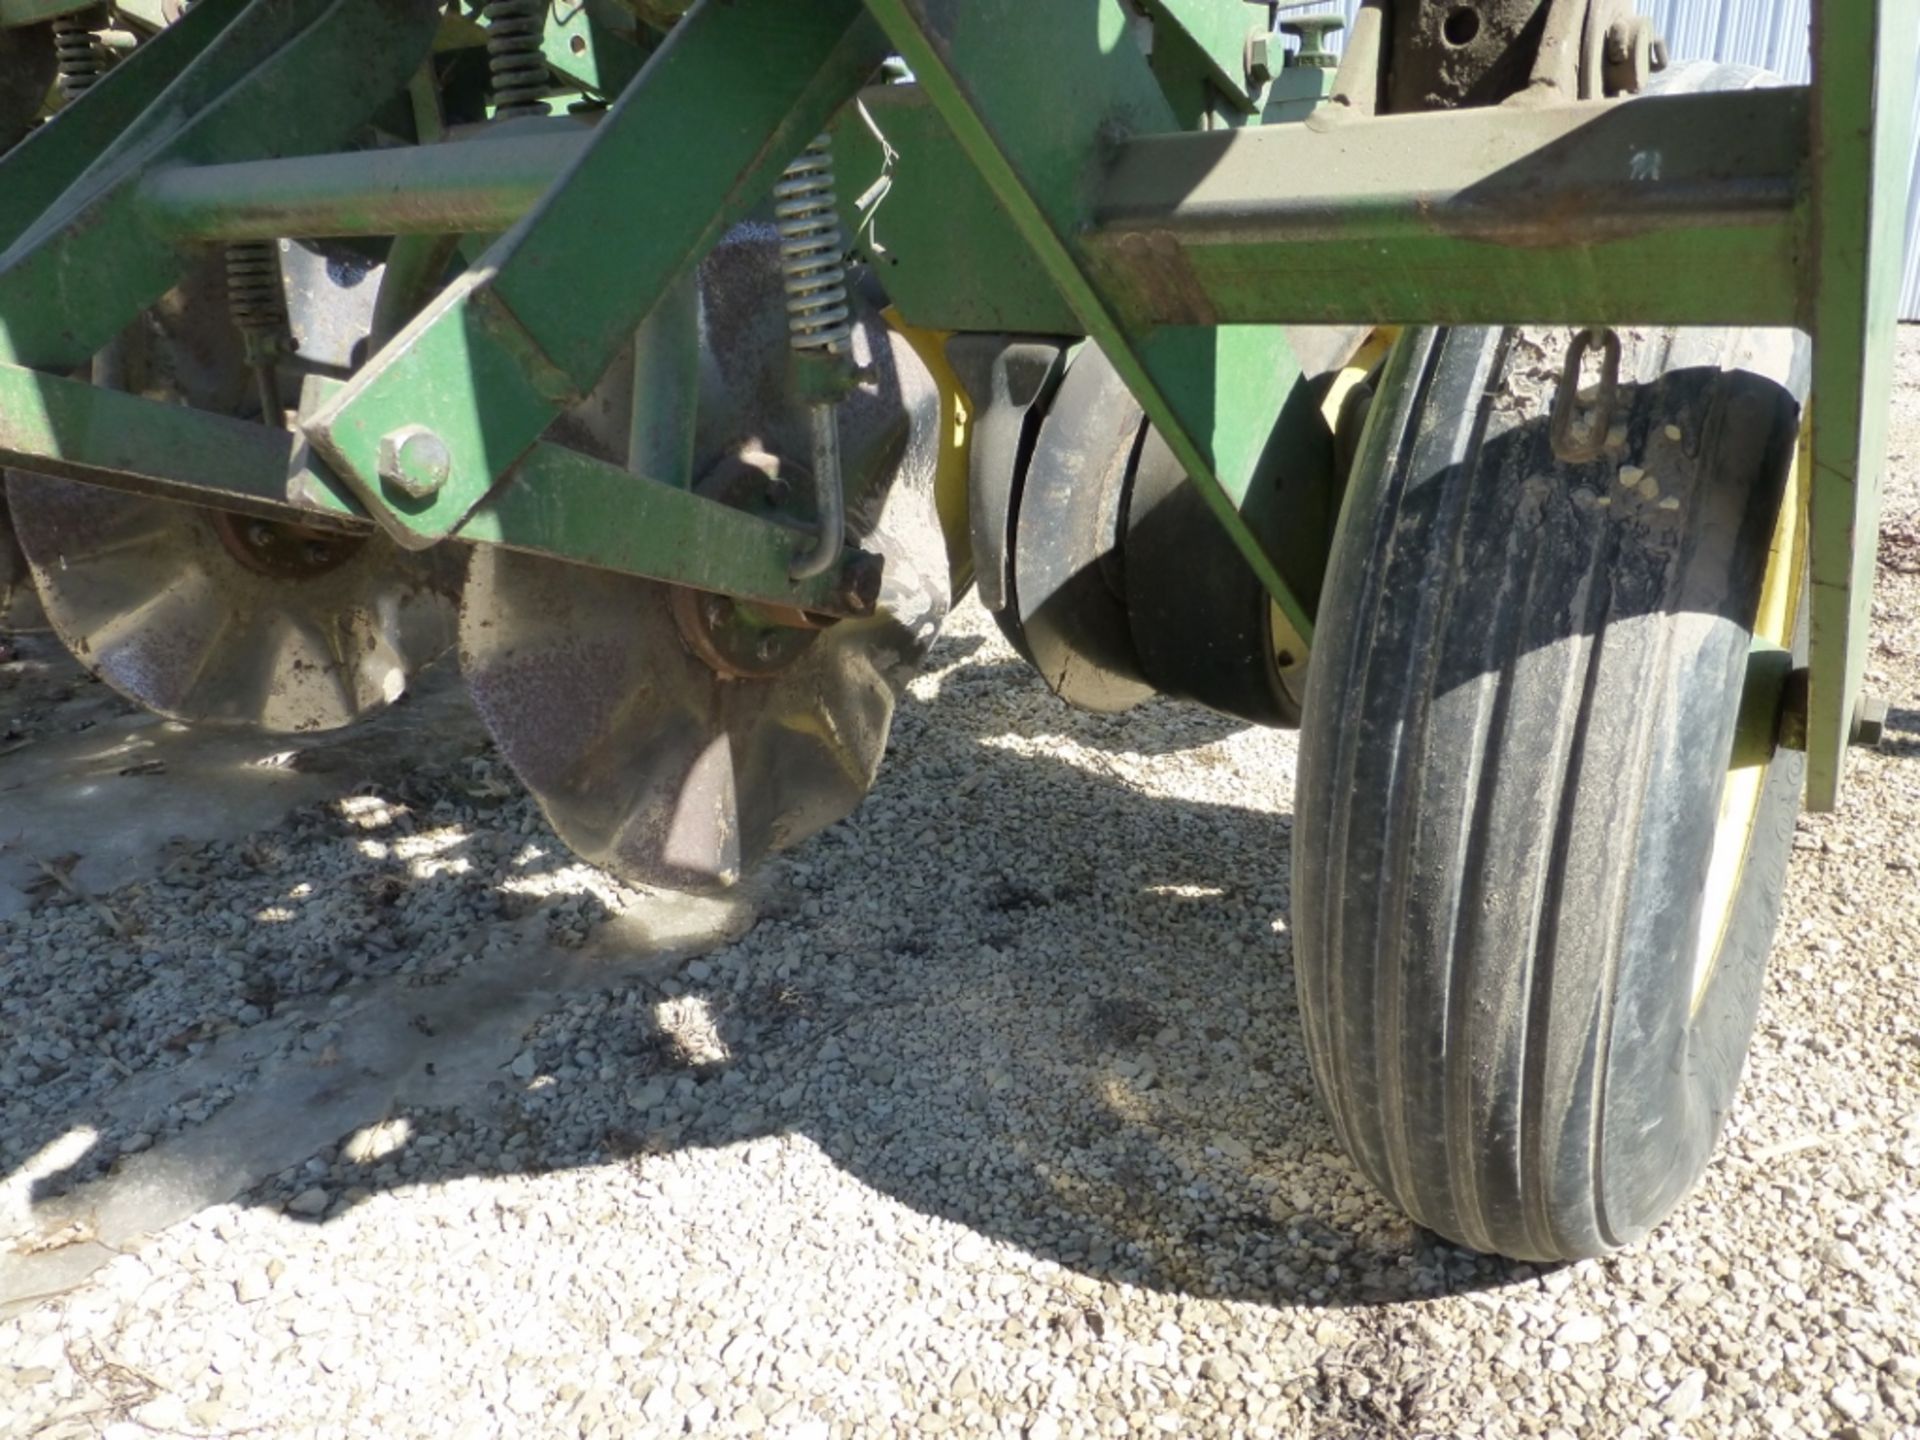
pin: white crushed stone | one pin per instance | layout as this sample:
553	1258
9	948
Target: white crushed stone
997	1123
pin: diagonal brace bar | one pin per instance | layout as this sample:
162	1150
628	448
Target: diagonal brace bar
695	142
283	77
1214	392
35	172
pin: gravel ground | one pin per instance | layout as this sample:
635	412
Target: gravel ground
991	1117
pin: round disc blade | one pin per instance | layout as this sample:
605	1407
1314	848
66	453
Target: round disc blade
203	616
647	762
650	763
673	770
19	602
1069	596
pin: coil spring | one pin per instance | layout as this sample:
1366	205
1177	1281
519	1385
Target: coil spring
77	54
811	255
255	298
519	75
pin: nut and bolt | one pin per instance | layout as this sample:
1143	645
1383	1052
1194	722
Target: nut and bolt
1264	57
1869	721
1634	51
414	461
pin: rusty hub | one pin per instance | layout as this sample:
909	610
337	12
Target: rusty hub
281	550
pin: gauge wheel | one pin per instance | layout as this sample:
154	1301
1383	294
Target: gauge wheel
1542	824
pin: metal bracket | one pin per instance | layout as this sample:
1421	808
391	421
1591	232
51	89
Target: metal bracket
502	351
559	503
252	91
1215	393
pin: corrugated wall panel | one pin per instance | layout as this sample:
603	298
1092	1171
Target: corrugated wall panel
1772	34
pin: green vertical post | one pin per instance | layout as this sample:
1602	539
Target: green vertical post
1862	147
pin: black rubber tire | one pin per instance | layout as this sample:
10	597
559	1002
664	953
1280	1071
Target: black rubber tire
1519	719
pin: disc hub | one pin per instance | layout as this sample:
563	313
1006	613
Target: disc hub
283	550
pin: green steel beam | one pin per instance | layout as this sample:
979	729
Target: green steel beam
80	431
481	184
37	12
559	503
34	173
734	93
283	77
991	68
1449	218
1209	37
1677	209
939	239
1863	70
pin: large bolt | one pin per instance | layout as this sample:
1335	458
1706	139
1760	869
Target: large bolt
415	461
1263	57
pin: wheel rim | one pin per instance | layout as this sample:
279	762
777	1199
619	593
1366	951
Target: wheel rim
1775	620
1345	420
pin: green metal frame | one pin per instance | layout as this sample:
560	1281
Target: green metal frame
1118	195
37	12
1861	146
508	347
1214	392
556	502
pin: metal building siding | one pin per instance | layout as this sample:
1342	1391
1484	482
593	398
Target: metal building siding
1772	34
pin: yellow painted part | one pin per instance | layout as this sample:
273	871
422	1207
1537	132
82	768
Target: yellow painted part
950	481
1371	352
1286	640
1773	625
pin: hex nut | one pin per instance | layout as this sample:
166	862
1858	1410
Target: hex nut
1264	52
414	461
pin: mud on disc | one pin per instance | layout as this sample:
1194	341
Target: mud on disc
207	616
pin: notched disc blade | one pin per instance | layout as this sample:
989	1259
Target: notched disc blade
647	762
209	617
1068	583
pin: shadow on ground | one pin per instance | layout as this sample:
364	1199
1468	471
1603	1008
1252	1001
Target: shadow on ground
1014	991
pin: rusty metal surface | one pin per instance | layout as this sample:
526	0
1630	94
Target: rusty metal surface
1445	54
1669	207
647	759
